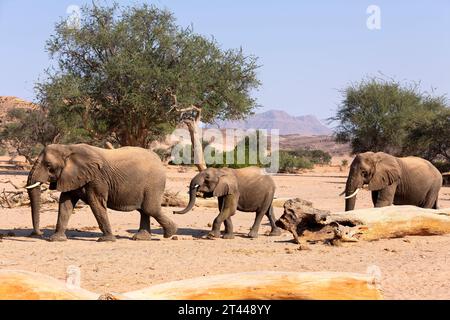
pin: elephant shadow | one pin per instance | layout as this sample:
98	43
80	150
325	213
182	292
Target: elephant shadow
195	233
72	234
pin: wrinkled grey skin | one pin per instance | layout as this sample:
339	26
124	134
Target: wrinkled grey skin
245	189
400	181
124	179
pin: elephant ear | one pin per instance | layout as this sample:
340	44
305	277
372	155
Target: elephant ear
227	185
82	165
387	171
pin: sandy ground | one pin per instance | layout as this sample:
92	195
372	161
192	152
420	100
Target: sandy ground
411	268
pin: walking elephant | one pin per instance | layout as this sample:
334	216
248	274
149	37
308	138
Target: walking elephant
124	179
400	181
247	190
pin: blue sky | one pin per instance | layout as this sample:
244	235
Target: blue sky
308	50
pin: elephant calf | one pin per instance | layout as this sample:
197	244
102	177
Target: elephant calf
400	181
124	179
245	189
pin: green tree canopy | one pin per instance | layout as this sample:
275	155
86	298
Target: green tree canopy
429	138
27	132
125	74
378	115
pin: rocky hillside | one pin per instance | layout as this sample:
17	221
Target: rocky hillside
325	143
275	119
9	103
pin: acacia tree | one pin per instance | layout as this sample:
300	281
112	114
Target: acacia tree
131	74
27	132
377	115
430	138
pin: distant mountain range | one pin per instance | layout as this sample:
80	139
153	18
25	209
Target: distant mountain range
307	125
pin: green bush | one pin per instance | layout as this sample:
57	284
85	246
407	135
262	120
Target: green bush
314	156
234	155
290	162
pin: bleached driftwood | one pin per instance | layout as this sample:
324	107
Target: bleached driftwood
23	285
19	196
366	224
265	286
395	222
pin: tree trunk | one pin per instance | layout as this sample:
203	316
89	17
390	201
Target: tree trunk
266	286
365	224
196	140
24	285
191	117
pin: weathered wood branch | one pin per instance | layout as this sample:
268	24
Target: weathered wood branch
24	285
365	224
265	285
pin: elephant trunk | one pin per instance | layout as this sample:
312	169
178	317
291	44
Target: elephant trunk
193	187
351	189
35	178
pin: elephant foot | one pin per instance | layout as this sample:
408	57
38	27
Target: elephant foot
253	235
275	232
142	235
213	235
58	237
107	238
170	231
37	234
228	236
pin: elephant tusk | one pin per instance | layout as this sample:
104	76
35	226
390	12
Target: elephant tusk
353	194
37	184
195	187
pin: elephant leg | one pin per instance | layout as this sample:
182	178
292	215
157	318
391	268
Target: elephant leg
144	233
275	230
374	198
431	199
386	196
67	202
229	234
98	207
152	207
228	209
169	227
255	228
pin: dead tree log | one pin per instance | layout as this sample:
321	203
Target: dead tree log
365	224
19	196
266	286
24	285
299	216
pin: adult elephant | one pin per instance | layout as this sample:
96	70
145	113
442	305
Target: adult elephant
400	181
247	190
124	179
